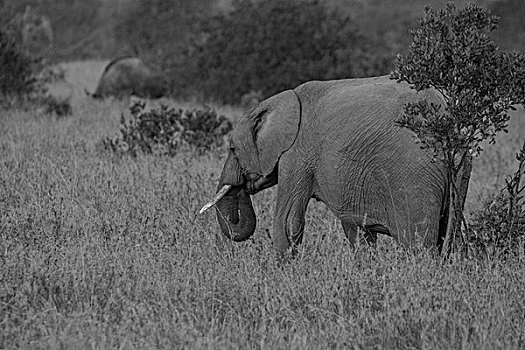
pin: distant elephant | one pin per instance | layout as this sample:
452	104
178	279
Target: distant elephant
335	141
125	76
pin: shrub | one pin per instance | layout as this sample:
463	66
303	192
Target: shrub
56	106
24	80
499	226
49	104
270	46
165	130
17	70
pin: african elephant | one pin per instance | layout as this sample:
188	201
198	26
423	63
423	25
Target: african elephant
128	75
335	141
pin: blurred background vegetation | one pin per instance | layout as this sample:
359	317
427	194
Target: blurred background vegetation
223	50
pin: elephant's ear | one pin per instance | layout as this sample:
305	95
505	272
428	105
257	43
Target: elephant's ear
276	128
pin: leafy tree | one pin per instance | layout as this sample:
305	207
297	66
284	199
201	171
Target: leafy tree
452	52
270	46
80	28
160	29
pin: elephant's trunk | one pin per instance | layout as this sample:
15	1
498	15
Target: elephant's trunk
234	210
235	214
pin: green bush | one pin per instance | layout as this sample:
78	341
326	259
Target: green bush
17	70
499	226
270	46
163	131
56	106
24	80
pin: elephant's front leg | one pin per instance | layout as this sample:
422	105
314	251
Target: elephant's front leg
288	225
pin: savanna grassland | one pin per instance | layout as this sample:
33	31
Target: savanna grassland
101	252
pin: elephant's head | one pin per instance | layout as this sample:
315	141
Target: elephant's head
256	144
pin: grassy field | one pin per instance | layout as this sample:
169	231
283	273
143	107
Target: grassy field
98	252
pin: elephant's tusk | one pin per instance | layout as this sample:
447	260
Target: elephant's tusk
217	198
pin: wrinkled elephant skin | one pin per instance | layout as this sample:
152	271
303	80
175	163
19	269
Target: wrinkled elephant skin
336	141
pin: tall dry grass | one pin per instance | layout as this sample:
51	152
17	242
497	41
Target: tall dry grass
98	252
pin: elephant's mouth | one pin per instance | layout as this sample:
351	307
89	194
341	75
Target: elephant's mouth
255	183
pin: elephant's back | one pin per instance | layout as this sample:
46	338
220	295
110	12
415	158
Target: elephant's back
384	171
370	104
381	89
124	62
122	75
125	70
356	119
